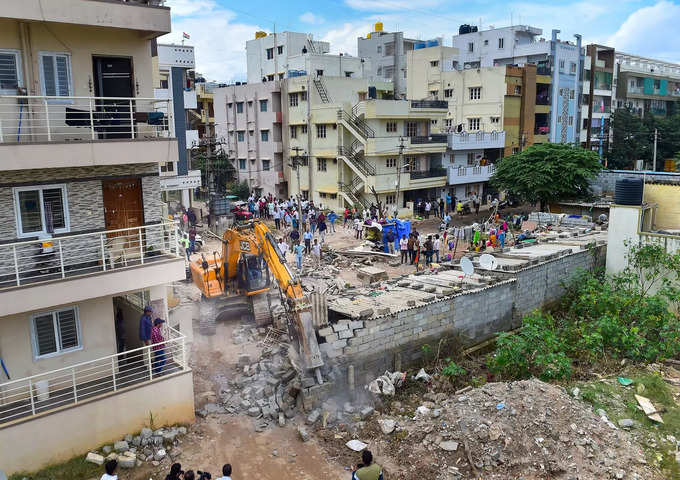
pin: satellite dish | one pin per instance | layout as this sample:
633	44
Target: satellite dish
488	262
466	266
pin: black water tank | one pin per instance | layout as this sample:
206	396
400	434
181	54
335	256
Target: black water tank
463	29
474	29
628	191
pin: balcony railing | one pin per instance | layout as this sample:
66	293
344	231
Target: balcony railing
466	141
433	172
430	104
543	70
635	90
543	130
30	262
461	175
40	393
422	139
29	119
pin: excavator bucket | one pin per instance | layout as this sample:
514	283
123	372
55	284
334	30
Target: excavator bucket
309	347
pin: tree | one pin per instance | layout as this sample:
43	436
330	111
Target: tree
241	190
547	172
631	140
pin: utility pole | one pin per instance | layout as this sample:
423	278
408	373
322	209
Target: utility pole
399	166
296	164
656	134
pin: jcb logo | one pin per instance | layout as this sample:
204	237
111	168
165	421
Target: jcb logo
245	246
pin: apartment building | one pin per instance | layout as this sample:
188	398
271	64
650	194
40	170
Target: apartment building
349	148
83	242
387	53
557	60
646	86
491	112
598	90
248	120
174	79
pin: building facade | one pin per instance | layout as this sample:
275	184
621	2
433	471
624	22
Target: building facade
248	121
387	53
83	240
520	45
598	90
647	86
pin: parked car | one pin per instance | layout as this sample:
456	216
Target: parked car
198	241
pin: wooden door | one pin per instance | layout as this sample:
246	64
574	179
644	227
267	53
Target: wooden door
123	207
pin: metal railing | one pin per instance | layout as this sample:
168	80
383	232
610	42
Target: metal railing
29	262
40	393
635	90
357	158
360	125
353	191
433	172
430	104
29	119
474	171
423	139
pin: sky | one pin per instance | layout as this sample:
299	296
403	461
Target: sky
219	28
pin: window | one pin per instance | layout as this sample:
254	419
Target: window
518	90
473	124
495	120
55	332
242	163
411	129
303	129
293	131
305	194
571	120
486	43
321	131
471	47
321	164
572	68
323	195
279	50
228	105
471	159
55	73
41	210
475	93
265	165
270	77
349	74
379	73
657	84
333	196
434	93
362	96
10	71
250	104
434	63
241	135
571	94
433	122
293	99
448	122
303	96
390	162
270	53
264	135
390	199
263	105
561	65
515	150
389	49
391	127
251	133
379	49
319	73
448	93
239	107
388	72
280	76
501	43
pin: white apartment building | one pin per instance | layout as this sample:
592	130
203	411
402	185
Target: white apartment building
268	55
174	80
83	242
387	53
248	120
521	45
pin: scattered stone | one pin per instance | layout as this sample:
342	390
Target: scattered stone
254	411
313	417
121	446
366	412
275	453
137	441
387	425
304	435
282	419
169	437
127	462
626	423
107	449
356	445
243	360
576	392
146	432
182	430
94	458
449	446
160	454
175	453
128	438
112	456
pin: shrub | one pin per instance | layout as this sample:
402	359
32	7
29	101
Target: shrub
453	370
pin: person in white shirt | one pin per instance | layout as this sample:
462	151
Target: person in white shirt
316	252
110	469
283	247
226	472
403	248
437	246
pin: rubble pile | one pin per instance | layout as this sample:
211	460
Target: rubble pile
525	429
158	447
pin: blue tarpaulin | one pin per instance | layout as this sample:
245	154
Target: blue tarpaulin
399	227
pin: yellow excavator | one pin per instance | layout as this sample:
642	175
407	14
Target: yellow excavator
239	281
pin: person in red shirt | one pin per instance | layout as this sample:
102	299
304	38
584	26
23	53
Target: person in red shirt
158	346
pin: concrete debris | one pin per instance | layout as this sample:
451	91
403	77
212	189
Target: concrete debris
127	462
94	458
387	383
366	412
626	423
422	375
387	425
121	446
449	446
356	445
302	432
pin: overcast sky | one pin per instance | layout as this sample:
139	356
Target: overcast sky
219	28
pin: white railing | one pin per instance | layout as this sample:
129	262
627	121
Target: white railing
469	140
30	262
30	119
459	175
29	396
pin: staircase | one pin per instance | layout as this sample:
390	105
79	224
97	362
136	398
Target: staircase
353	191
356	125
321	88
357	162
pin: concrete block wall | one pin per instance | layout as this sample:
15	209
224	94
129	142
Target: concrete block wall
606	180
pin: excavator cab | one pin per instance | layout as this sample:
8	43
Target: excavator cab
253	273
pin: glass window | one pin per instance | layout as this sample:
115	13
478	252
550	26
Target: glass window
293	99
56	74
279	50
263	105
239	107
303	129
56	332
475	93
448	93
321	130
501	43
10	71
471	47
265	165
321	164
391	127
390	162
473	124
242	163
293	131
411	129
241	135
264	135
270	53
41	210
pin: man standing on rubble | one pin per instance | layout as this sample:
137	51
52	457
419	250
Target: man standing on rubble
367	470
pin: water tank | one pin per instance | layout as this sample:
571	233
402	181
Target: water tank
432	43
474	29
372	92
419	45
368	35
378	27
260	34
463	29
628	191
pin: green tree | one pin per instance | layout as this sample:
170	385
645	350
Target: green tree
241	190
216	169
547	172
630	140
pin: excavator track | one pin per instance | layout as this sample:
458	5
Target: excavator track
262	309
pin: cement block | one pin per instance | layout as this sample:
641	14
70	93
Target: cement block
339	327
333	337
326	331
345	334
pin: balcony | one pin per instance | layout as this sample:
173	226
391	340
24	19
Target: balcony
462	175
88	265
478	140
31	396
638	90
431	173
51	132
149	17
436	104
427	139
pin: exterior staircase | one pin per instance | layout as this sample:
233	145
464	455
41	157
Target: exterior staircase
321	88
